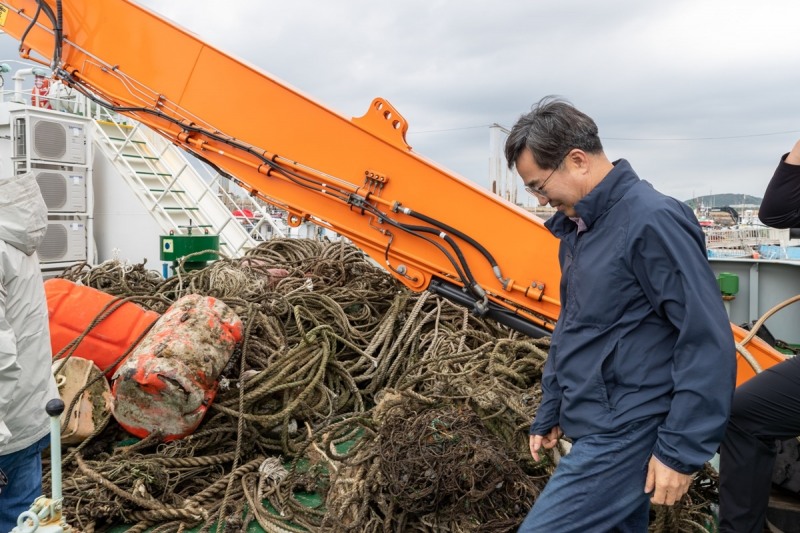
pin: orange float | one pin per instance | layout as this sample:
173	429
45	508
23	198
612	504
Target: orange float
753	356
74	308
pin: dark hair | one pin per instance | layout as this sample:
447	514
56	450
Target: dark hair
551	129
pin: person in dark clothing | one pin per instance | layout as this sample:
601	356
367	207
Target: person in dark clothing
641	368
780	207
766	408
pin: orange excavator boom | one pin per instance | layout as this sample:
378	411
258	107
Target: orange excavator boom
358	177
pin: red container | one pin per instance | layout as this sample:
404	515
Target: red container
74	307
170	379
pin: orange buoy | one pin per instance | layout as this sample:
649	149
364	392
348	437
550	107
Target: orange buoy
168	382
763	355
73	308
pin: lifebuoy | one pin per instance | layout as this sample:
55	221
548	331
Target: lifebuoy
41	88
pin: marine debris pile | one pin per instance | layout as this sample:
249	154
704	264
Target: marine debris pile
351	404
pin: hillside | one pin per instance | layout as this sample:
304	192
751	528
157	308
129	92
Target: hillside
720	200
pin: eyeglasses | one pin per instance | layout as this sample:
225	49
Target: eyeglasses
539	191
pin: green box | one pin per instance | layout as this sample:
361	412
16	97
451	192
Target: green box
728	283
175	247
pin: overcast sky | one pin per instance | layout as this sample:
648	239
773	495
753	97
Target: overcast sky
701	96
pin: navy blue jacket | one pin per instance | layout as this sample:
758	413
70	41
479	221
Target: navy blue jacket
643	331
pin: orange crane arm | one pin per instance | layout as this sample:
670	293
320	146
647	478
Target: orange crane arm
358	177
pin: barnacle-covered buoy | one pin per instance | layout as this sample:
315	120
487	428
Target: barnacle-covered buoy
167	384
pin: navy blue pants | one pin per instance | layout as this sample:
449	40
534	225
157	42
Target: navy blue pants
599	485
765	409
24	471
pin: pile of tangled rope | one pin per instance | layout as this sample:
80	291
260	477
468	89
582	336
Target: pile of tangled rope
352	404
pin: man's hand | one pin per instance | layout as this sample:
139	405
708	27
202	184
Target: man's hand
667	485
548	441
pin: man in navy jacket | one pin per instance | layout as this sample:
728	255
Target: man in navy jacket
642	364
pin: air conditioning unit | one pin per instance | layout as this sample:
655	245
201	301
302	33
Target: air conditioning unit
64	241
64	191
56	140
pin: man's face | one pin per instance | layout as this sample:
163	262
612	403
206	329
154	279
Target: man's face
557	187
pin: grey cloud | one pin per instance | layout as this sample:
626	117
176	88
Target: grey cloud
693	93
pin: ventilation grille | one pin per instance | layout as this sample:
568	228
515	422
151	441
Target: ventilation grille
55	243
54	189
49	139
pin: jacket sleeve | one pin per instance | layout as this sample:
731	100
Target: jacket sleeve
9	367
780	207
669	259
548	411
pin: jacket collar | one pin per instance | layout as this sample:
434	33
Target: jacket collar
599	200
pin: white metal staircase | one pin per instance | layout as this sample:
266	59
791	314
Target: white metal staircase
170	187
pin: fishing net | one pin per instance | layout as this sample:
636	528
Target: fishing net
352	404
